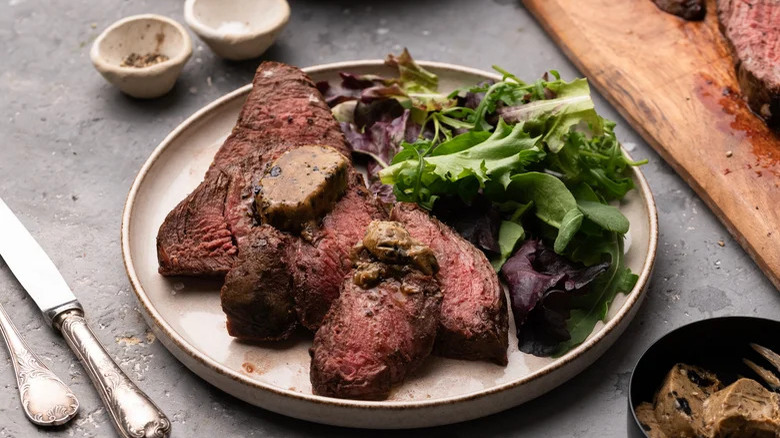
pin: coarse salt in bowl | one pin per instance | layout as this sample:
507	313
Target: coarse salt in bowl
237	29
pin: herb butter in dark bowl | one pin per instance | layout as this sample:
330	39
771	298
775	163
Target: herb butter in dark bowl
704	360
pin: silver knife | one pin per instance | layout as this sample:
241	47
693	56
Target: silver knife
134	415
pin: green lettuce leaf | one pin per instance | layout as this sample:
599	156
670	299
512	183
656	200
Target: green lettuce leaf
418	84
572	106
473	155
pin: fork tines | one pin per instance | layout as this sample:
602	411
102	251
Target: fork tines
769	377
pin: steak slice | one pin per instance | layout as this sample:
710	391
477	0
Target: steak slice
474	320
379	329
280	278
195	238
752	28
257	296
284	110
321	261
688	9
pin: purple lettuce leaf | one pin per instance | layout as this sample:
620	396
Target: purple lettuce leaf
359	82
336	94
540	284
386	110
391	91
472	99
545	327
382	140
383	192
527	285
351	87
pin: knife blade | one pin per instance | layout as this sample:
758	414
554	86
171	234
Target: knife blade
133	413
30	264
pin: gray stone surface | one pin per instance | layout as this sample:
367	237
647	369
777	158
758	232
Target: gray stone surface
72	144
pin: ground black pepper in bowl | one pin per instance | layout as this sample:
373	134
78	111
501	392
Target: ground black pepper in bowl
141	61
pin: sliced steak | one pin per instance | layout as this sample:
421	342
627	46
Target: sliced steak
280	278
320	262
688	9
284	110
383	324
474	318
257	296
195	238
752	28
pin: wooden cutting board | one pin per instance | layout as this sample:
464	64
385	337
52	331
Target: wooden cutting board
674	81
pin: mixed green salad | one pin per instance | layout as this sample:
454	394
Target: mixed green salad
523	170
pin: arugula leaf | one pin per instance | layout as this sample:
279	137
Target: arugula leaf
597	161
569	226
509	93
592	307
606	216
509	234
583	192
550	196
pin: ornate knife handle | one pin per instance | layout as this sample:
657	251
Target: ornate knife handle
133	413
46	400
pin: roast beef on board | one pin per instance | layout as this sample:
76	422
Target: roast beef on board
687	9
752	28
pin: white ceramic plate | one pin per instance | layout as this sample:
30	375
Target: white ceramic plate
185	314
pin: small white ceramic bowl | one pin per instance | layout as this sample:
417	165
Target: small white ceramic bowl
237	29
142	34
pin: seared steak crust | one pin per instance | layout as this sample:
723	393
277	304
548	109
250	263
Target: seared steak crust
195	238
752	28
284	110
474	320
257	296
280	276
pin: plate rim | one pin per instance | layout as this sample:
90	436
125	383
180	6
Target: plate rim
635	296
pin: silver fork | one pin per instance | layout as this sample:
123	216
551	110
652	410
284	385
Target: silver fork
769	377
46	400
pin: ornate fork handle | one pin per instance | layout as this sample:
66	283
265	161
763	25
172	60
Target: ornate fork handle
133	413
46	400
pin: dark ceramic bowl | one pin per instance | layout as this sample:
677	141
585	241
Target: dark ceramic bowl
716	344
